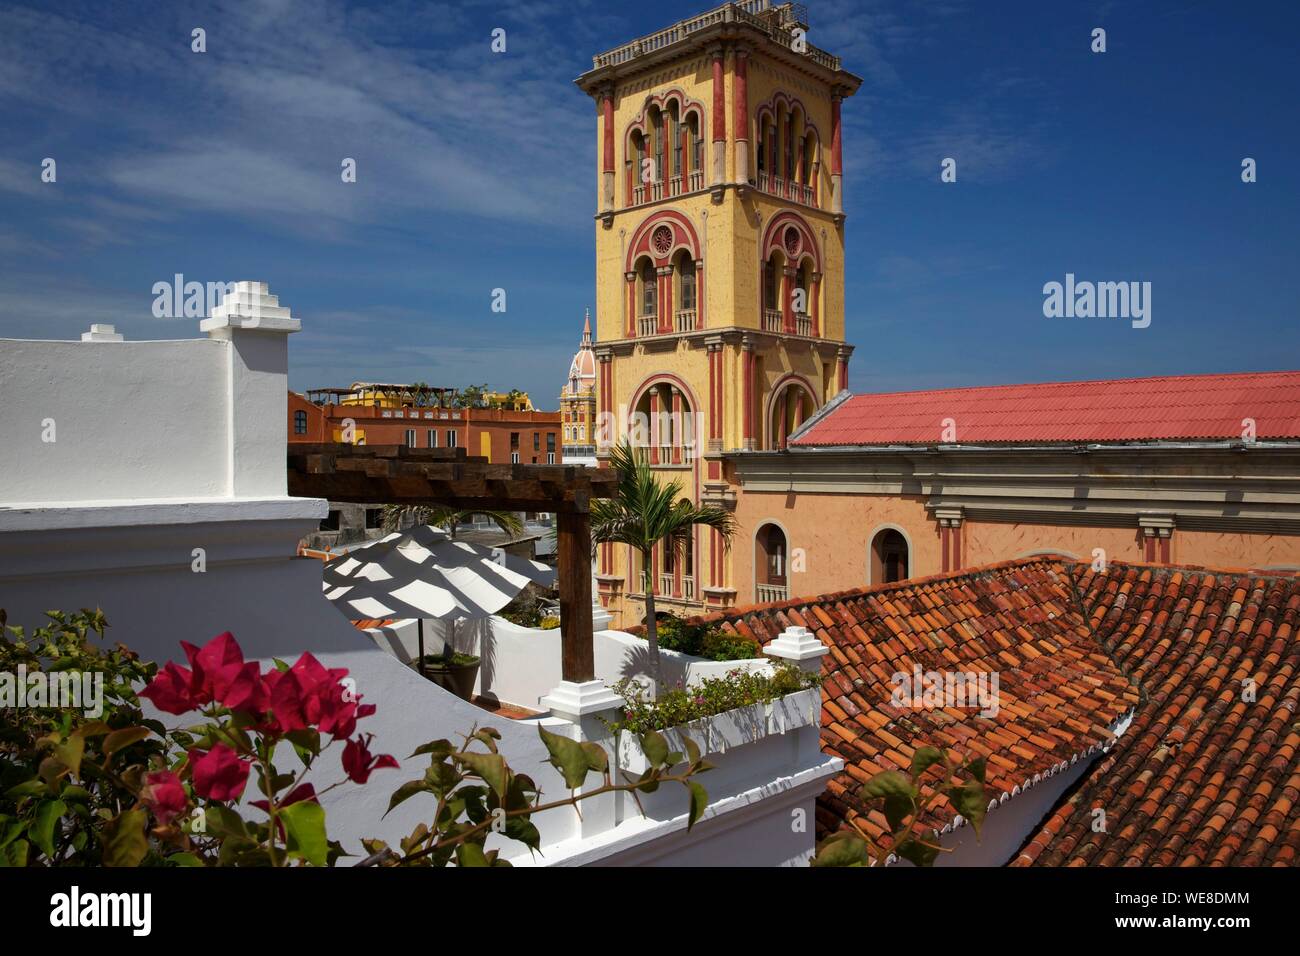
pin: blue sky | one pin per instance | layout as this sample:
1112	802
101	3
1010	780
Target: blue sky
476	171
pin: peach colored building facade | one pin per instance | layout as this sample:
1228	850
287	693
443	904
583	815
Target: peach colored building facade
1210	505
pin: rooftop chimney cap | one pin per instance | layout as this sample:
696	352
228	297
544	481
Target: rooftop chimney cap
101	333
250	305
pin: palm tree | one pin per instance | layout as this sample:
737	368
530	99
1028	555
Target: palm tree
440	516
645	512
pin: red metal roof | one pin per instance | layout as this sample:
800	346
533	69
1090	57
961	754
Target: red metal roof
1169	408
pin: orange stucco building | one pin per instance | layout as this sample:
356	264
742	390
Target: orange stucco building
421	417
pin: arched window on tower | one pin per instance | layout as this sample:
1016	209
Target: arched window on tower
791	407
809	174
802	301
772	318
697	153
636	187
648	322
684	267
675	172
661	158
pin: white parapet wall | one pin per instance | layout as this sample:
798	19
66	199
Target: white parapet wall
521	665
149	479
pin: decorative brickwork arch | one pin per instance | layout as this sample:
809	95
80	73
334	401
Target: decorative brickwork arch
647	239
790	233
775	436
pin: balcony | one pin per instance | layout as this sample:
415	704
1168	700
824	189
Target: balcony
803	323
786	188
647	325
772	592
685	320
688	587
666	583
697	180
772	320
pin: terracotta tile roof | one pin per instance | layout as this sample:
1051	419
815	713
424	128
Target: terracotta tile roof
1201	776
1205	775
366	623
1171	408
1058	694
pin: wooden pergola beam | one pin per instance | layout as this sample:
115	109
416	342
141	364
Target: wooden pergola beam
396	474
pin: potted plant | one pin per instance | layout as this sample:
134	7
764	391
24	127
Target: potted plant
451	670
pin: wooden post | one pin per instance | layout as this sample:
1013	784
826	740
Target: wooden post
573	564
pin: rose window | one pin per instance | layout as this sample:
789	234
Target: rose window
662	240
792	241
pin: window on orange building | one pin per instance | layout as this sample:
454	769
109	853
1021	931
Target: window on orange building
300	422
451	438
410	438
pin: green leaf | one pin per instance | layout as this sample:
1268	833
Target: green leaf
69	753
597	759
439	749
920	854
692	750
843	849
184	859
471	854
492	768
42	828
923	759
125	843
224	821
976	768
897	791
123	738
699	802
970	802
92	728
28	788
406	791
567	756
305	824
654	747
75	794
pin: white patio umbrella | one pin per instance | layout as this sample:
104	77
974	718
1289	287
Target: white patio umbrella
425	573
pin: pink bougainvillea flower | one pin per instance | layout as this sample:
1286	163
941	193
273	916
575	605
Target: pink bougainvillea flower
285	702
164	794
215	665
170	690
219	774
359	763
246	690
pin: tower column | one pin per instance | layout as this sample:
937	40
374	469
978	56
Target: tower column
654	425
719	120
747	406
699	293
631	303
815	306
741	98
842	367
787	299
837	158
677	426
665	298
607	165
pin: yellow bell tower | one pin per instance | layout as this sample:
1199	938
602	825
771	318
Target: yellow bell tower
719	260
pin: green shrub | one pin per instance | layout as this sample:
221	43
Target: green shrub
704	640
714	695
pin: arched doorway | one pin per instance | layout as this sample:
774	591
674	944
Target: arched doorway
890	559
770	555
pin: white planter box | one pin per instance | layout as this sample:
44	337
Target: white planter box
733	728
